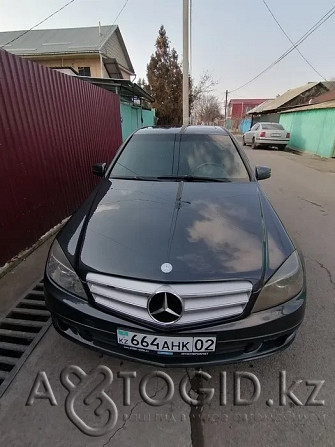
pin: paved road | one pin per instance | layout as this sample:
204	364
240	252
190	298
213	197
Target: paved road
303	192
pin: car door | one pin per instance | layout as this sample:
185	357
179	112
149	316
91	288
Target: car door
248	136
257	130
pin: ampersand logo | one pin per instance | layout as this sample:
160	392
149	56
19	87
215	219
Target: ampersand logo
106	406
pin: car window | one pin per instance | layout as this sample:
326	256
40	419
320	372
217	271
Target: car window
256	127
209	156
212	156
272	126
253	127
146	156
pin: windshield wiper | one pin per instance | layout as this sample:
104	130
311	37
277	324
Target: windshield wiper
185	178
133	177
193	178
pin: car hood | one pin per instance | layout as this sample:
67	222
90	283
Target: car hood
206	231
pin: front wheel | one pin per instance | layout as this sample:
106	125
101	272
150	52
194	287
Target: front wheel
254	145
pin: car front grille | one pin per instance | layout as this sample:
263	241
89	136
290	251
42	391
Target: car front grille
202	302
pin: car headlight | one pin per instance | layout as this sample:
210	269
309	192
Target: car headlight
284	285
61	272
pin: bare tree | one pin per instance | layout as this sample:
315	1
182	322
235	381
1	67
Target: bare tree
204	87
207	109
205	106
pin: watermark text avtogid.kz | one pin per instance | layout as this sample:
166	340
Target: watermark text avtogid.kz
95	392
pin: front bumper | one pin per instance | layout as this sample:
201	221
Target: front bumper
257	335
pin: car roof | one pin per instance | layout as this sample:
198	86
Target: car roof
266	122
202	130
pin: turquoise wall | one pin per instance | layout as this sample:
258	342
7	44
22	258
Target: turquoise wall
311	131
133	118
245	125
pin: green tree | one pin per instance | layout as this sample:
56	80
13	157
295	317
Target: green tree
165	80
165	84
142	83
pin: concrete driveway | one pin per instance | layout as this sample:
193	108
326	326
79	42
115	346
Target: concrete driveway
302	191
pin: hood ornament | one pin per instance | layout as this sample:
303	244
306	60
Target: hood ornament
166	267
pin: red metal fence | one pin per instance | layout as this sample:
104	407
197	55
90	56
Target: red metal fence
53	127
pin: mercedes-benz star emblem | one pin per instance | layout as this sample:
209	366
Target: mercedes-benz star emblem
166	267
165	307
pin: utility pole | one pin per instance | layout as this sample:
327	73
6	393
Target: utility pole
190	37
225	109
186	105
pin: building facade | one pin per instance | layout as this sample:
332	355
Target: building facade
237	110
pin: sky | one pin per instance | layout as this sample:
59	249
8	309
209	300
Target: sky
231	40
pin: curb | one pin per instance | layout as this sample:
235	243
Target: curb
14	262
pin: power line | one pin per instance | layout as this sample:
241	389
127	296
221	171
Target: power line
304	37
291	41
40	23
298	42
125	4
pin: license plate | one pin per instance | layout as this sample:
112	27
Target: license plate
166	345
276	135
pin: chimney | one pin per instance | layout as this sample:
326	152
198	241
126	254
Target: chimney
100	34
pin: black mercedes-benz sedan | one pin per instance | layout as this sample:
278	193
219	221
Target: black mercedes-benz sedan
177	257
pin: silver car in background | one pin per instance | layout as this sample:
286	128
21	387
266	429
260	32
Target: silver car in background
265	135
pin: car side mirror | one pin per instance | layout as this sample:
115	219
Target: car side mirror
99	169
262	172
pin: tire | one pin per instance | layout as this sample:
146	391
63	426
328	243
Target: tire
254	145
243	141
282	147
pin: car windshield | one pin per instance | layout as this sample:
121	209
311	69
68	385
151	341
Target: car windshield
194	157
272	126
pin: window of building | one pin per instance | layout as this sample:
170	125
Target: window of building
84	71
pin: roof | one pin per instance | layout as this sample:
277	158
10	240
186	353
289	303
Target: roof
328	96
246	101
260	107
62	41
202	130
330	85
66	40
323	105
124	87
288	96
